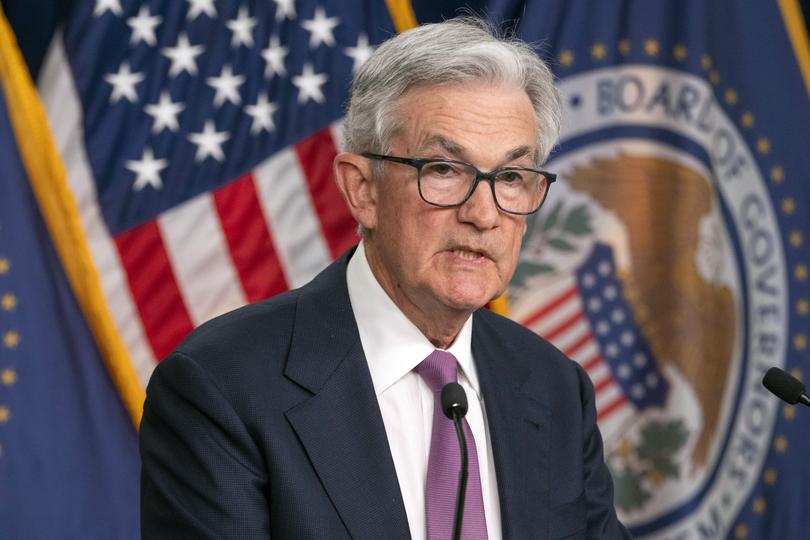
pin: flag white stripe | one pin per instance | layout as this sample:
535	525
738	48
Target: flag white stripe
599	373
200	259
587	352
63	106
607	396
560	314
284	196
538	297
572	335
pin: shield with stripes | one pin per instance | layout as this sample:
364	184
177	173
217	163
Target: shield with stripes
585	314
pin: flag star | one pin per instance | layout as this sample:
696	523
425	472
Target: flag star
320	28
8	376
123	84
309	85
103	6
147	170
183	56
262	114
200	6
226	86
209	142
360	52
164	113
285	8
274	57
143	27
242	28
9	302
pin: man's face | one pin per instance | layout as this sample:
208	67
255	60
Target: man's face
460	258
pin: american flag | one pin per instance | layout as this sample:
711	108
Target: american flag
586	316
198	138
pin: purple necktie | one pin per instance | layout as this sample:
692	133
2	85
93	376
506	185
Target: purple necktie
444	463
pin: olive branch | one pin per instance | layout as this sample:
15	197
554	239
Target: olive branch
558	229
636	470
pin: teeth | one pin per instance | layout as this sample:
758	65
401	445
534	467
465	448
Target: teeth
464	254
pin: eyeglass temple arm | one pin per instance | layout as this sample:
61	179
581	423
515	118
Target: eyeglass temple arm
397	159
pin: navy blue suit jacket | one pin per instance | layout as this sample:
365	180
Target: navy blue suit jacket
264	423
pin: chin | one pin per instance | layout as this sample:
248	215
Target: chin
468	300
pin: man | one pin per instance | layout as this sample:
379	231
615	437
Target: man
315	414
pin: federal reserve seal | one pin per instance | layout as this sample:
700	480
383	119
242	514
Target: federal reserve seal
657	263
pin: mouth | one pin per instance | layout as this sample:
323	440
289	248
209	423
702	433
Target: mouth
469	253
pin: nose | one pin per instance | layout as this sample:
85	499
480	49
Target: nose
480	209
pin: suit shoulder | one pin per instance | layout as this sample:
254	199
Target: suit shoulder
240	357
244	332
520	337
532	349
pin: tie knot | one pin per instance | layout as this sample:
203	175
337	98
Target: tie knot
438	369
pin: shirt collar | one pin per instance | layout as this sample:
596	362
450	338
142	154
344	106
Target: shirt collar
392	344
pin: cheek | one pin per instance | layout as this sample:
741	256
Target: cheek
404	233
418	226
512	252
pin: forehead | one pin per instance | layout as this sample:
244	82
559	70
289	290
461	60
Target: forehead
479	119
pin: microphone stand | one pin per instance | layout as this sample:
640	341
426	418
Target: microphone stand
462	477
454	406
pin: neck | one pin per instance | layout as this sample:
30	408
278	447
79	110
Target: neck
438	323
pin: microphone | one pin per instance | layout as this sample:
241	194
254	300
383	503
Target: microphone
454	406
454	401
785	386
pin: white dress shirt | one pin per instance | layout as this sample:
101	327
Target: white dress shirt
393	347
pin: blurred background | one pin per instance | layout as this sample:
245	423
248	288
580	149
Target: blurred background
162	162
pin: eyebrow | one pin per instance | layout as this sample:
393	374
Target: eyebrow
456	150
446	144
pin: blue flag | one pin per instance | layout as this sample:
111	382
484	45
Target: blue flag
68	449
672	260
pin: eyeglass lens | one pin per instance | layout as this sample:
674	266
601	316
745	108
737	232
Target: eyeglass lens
516	190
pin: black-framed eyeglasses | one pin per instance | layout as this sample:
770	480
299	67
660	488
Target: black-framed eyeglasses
448	183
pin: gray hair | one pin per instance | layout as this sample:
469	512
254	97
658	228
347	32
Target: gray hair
455	51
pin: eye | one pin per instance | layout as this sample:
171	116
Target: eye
510	177
441	168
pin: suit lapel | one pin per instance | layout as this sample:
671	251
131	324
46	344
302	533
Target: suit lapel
519	428
340	426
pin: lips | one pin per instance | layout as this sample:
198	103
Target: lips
470	253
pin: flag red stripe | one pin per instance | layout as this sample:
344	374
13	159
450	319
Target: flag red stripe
601	385
316	155
592	363
610	407
154	288
249	241
555	332
578	344
549	307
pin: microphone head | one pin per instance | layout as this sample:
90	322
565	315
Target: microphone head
785	386
454	399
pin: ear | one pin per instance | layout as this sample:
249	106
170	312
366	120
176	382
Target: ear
354	179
